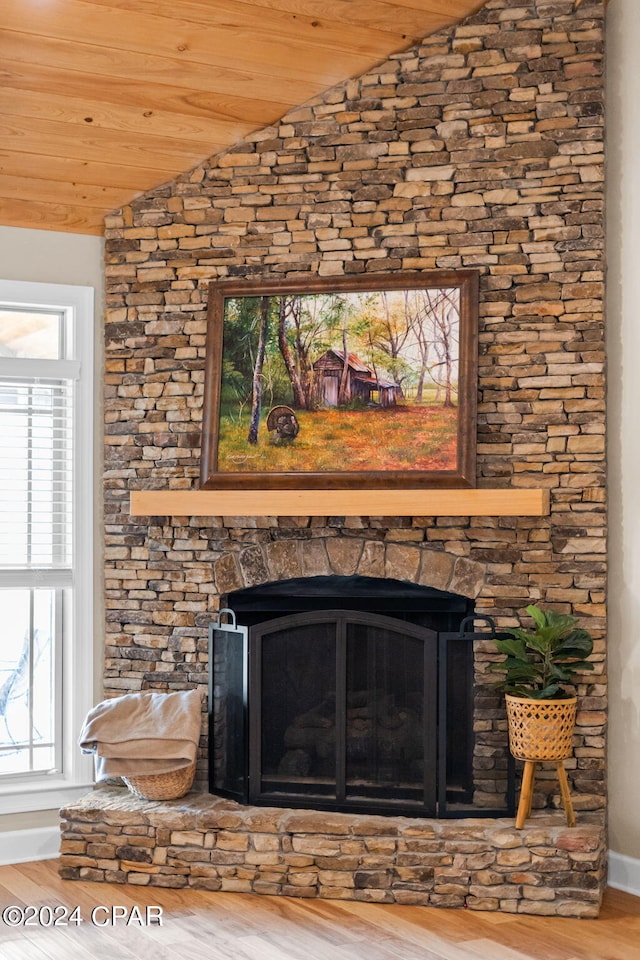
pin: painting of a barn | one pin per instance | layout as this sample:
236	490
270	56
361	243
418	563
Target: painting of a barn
342	381
361	381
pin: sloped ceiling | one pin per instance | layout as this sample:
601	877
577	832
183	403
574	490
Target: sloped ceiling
101	100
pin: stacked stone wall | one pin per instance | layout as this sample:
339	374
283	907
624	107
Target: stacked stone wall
481	147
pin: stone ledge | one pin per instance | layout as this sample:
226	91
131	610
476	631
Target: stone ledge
205	842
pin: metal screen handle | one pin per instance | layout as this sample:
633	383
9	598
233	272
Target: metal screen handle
471	620
231	614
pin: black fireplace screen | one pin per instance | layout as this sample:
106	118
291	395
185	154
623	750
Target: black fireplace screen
341	710
345	710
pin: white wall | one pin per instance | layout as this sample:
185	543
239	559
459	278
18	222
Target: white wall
623	308
51	257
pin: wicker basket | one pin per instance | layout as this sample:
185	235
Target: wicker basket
541	729
162	786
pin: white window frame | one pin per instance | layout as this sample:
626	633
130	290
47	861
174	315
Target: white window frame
49	791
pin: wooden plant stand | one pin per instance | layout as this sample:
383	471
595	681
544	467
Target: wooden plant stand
526	793
541	730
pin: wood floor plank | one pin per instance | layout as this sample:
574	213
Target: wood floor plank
22	888
22	950
210	926
58	945
483	948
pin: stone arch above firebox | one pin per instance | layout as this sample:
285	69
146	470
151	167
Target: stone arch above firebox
345	556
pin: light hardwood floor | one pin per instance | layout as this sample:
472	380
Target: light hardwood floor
214	926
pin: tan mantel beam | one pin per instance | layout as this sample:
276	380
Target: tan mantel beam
354	503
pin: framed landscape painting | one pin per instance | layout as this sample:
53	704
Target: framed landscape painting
343	382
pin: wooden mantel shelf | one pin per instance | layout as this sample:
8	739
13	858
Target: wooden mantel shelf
339	503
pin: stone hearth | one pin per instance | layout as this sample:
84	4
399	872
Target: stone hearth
207	843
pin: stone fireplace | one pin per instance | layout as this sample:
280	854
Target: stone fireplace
481	147
215	843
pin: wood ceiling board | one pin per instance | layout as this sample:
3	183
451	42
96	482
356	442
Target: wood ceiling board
170	127
192	102
51	216
71	170
86	142
243	17
454	10
217	47
381	14
51	191
141	68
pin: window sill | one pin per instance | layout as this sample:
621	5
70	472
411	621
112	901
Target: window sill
41	795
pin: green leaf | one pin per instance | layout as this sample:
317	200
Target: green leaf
579	666
560	673
548	693
522	671
514	648
535	641
578	641
541	644
540	662
562	622
523	635
537	615
519	691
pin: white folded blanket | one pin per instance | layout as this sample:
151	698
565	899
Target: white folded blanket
143	733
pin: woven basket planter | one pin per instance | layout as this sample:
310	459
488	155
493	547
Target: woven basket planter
162	786
541	729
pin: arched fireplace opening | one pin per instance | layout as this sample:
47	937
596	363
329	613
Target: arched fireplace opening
349	693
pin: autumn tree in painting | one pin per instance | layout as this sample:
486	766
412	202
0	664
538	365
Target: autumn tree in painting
445	344
434	320
391	332
289	315
256	393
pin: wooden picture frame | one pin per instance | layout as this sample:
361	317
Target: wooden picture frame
283	410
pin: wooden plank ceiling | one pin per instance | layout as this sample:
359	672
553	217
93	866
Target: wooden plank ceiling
100	100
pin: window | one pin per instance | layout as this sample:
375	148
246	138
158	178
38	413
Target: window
45	537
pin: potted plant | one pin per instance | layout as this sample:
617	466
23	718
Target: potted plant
539	665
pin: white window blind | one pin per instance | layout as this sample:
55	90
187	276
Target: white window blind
36	471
